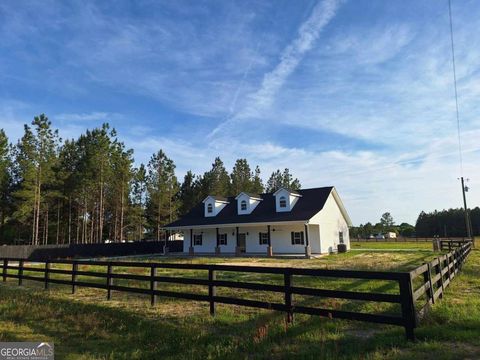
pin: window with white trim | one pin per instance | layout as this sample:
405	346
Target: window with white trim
243	205
340	237
283	202
209	208
298	238
263	238
197	239
222	239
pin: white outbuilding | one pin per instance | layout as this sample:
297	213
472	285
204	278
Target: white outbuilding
307	221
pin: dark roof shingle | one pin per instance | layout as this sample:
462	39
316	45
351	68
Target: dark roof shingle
310	203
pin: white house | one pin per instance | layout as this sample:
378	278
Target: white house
308	221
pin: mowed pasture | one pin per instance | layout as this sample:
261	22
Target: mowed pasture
87	326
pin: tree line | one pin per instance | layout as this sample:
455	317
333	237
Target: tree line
88	190
445	223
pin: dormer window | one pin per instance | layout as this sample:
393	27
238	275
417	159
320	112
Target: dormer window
285	199
213	205
246	203
243	205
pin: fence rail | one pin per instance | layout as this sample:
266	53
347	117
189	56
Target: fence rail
445	268
406	239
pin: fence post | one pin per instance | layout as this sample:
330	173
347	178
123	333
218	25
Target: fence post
287	277
448	266
47	273
212	291
427	278
74	276
20	272
5	265
438	270
109	281
408	306
153	285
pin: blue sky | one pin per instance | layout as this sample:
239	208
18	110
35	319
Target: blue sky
356	94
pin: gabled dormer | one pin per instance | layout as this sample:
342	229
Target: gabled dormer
285	199
214	204
246	203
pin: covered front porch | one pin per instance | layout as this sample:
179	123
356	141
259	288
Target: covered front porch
253	239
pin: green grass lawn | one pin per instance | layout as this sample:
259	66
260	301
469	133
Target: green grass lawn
391	245
87	326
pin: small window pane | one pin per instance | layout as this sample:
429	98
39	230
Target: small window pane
340	237
222	239
283	202
209	208
197	239
243	205
298	238
263	238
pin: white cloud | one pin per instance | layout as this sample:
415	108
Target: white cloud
97	116
308	32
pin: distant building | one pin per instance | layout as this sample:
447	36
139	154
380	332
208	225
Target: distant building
310	221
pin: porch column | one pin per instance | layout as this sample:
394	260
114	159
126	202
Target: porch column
237	248
269	247
165	248
308	250
217	248
191	250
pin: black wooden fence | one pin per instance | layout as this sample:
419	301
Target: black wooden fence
47	252
436	275
445	268
448	245
401	239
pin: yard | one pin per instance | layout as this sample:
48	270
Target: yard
87	326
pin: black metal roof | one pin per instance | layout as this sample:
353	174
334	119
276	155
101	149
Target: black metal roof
309	204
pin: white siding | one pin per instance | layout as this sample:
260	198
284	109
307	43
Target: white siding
331	221
280	239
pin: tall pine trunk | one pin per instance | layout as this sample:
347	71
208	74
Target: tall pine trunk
34	219
121	213
39	198
45	240
70	220
58	222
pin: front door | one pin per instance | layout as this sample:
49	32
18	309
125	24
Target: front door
242	242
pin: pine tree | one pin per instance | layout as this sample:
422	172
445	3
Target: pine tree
257	184
137	212
241	177
216	181
162	188
189	193
5	180
36	156
282	180
120	183
275	181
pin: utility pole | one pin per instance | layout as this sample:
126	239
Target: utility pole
468	224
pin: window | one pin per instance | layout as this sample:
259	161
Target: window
222	239
197	239
210	208
263	238
298	238
340	237
283	202
243	205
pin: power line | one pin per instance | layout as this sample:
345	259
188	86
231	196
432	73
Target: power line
455	86
468	224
